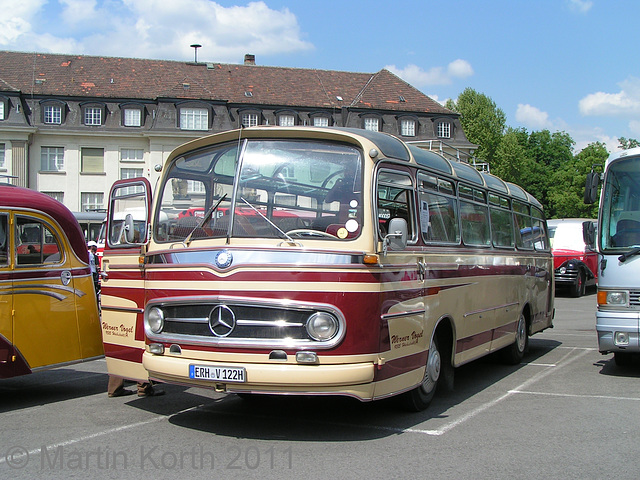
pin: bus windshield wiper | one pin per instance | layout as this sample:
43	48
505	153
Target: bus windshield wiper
213	208
631	253
289	239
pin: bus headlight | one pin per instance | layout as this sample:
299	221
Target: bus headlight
155	320
322	326
617	298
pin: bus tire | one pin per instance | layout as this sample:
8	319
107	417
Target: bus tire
514	353
420	397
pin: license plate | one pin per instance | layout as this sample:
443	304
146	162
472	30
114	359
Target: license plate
218	374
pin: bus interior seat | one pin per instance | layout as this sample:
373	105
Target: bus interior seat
627	233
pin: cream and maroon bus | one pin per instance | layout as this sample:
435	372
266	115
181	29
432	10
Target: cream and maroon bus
320	261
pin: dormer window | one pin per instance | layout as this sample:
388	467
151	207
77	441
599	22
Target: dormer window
320	121
53	112
286	120
372	123
132	115
249	118
194	116
93	114
408	127
5	107
444	130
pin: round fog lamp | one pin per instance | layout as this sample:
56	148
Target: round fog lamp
322	326
155	320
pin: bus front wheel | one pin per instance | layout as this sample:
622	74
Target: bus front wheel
514	353
420	397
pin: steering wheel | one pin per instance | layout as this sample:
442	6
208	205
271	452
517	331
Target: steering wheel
309	232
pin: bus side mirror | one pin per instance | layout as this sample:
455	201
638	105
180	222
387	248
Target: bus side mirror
589	234
128	228
396	239
591	188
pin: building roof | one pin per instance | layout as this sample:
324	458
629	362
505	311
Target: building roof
43	74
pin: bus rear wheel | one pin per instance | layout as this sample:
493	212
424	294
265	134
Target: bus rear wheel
420	397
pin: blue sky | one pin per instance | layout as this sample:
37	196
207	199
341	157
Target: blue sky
561	65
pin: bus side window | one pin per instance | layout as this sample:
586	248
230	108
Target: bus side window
395	200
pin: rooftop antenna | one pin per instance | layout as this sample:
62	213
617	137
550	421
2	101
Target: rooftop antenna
195	47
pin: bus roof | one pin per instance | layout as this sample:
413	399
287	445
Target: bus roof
23	198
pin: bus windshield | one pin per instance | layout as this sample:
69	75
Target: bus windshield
264	189
620	211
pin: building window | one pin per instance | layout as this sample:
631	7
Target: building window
249	119
320	121
132	117
371	124
93	116
1	110
444	130
59	196
52	159
408	128
286	120
53	114
92	160
2	165
126	173
91	201
194	119
131	155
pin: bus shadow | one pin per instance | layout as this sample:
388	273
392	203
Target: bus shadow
340	419
608	367
50	386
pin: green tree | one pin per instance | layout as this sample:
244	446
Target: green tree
567	184
482	121
627	143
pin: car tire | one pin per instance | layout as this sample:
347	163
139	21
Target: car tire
578	288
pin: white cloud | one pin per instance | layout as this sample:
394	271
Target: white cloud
15	22
580	6
625	102
151	28
532	117
418	77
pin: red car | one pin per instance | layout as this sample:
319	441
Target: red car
575	264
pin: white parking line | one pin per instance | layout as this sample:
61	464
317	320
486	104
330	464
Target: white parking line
564	361
54	446
572	395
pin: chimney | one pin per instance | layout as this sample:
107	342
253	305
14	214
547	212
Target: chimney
249	59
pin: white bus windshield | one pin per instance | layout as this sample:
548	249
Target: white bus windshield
620	211
269	189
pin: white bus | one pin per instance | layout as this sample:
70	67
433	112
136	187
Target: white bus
321	261
618	243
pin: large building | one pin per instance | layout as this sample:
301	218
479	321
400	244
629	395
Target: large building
72	125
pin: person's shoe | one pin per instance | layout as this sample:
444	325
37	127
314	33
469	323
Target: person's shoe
151	392
120	393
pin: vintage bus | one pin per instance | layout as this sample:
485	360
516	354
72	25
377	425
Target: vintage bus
618	242
321	261
48	309
90	223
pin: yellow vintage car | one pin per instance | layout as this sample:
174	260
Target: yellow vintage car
48	308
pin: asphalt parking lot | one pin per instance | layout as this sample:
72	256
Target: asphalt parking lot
566	412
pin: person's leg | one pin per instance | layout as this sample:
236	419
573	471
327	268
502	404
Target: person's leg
116	387
146	389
